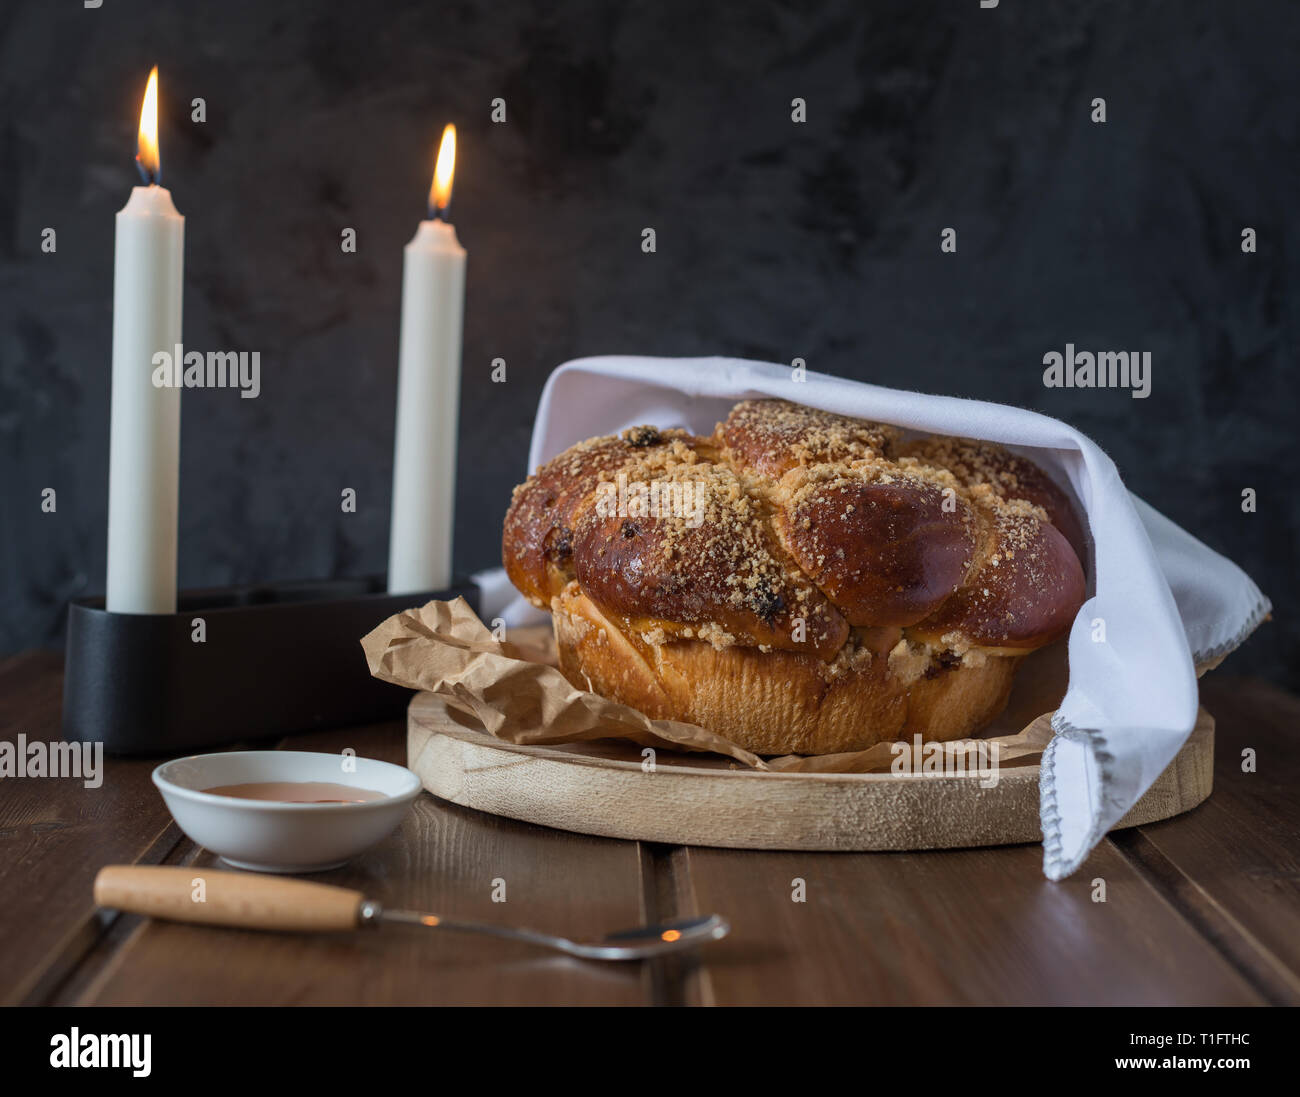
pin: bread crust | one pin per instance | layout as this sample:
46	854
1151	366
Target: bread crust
778	702
832	586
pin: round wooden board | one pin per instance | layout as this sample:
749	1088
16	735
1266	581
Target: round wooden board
690	799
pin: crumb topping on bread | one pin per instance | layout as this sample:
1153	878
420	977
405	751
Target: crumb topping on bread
798	530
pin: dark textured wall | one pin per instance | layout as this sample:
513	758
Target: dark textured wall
775	240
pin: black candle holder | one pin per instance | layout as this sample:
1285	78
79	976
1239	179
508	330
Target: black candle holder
273	659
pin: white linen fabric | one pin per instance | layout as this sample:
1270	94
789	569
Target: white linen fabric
1160	602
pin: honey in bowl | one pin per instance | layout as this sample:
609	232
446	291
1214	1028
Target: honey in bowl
298	792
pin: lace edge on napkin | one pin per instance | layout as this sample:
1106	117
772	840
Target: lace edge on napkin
1056	865
1262	609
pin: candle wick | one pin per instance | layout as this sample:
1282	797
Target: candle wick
438	213
150	178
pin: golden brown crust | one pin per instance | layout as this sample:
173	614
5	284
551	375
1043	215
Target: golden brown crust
799	580
537	542
780	702
1010	476
770	437
883	547
718	574
1029	587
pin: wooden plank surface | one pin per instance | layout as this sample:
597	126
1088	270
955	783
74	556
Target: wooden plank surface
444	859
959	927
1234	864
1202	908
55	834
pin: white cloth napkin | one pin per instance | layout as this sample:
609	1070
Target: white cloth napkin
1166	601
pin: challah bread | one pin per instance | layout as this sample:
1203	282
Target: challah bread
798	581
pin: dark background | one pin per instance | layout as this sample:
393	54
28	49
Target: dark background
775	240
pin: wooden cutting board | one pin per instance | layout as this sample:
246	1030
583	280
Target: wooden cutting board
691	799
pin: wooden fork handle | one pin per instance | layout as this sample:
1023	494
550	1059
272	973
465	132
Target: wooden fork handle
216	898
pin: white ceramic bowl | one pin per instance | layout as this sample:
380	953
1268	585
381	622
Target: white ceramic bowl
273	835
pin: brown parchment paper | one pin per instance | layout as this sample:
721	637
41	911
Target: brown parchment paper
516	693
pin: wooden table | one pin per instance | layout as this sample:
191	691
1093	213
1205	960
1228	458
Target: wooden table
1201	909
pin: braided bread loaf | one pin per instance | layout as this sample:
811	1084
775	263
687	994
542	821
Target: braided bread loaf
800	582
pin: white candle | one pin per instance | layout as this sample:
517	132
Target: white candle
428	394
144	444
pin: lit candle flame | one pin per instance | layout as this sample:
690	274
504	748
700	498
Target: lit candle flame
146	156
440	190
